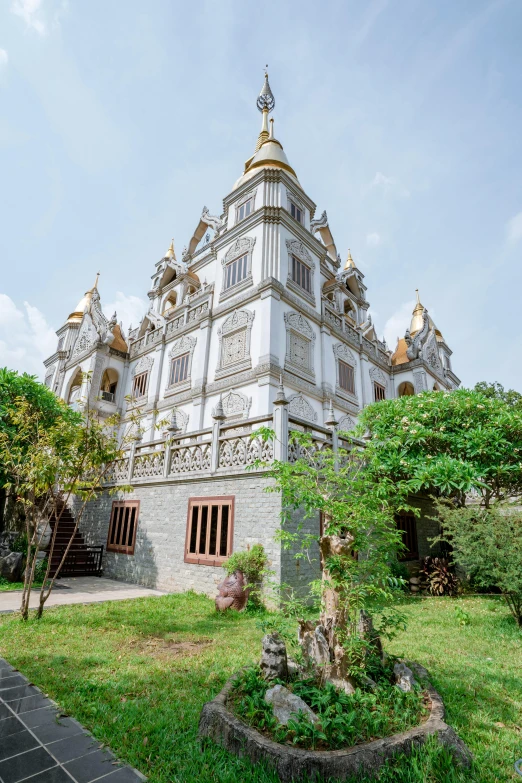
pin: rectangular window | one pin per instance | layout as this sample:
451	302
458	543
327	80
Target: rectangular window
301	274
296	212
346	377
236	271
210	530
379	392
244	210
123	526
179	369
407	525
139	385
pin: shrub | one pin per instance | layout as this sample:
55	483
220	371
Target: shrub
440	579
252	563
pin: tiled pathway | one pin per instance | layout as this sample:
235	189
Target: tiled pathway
39	746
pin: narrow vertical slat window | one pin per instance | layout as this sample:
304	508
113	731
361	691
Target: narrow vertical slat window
123	526
296	212
407	524
301	274
236	271
346	377
379	392
179	369
244	210
139	385
210	532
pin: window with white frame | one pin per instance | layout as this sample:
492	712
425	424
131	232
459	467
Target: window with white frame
179	369
346	377
301	274
139	384
236	271
379	392
295	211
244	209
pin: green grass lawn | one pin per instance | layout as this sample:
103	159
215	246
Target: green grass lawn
136	674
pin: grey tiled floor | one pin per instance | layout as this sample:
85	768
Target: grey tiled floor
38	745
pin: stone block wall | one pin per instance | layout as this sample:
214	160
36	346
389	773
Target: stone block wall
299	572
158	559
426	527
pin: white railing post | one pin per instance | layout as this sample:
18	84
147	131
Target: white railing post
135	443
280	424
218	415
169	433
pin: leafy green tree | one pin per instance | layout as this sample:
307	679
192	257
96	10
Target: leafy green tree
449	443
359	540
487	543
496	391
47	460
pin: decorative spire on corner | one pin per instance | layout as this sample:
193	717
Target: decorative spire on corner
350	263
170	252
265	104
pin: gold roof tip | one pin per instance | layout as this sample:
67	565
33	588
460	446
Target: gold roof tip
170	252
84	303
350	263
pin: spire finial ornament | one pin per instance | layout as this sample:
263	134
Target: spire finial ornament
417	292
170	252
280	396
331	421
95	286
265	99
349	260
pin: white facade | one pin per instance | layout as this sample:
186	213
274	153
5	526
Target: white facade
258	293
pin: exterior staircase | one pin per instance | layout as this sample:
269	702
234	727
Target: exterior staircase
81	560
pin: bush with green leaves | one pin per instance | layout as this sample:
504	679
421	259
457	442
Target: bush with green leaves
487	544
252	562
438	575
343	720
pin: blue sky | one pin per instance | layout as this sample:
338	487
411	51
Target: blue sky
120	119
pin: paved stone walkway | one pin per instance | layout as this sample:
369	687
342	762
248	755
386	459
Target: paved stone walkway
38	745
79	590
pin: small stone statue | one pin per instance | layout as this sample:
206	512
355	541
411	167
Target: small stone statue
232	593
274	663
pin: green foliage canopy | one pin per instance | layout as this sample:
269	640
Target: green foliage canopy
448	443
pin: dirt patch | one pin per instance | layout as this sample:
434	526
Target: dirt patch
170	646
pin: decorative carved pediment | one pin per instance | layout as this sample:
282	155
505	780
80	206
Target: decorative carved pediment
87	338
376	374
238	319
236	404
342	351
299	406
239	248
430	352
299	324
297	249
144	365
346	424
185	344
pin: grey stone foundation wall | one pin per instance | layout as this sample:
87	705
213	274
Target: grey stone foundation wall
299	572
158	559
426	528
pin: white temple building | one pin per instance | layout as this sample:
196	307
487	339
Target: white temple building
258	315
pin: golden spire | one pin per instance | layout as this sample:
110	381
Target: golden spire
416	316
170	252
95	286
265	104
84	303
350	263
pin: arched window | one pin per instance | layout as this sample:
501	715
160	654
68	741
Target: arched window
349	310
108	385
75	389
406	389
170	304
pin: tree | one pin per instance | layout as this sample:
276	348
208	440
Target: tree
47	460
359	540
449	443
40	401
487	543
496	391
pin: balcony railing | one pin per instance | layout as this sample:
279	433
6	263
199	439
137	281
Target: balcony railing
107	396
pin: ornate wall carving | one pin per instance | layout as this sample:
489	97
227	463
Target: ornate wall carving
242	246
342	352
87	337
377	375
299	406
144	365
419	381
185	344
346	423
300	339
234	343
236	405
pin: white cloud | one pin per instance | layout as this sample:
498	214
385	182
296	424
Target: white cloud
130	309
397	323
514	229
4	57
28	10
374	239
388	185
26	339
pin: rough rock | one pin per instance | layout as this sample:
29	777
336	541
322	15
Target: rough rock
286	704
414	580
414	588
44	534
403	677
312	639
293	667
11	566
274	663
341	685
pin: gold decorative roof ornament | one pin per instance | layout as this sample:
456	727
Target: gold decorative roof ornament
265	104
84	303
170	252
416	318
350	263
